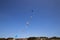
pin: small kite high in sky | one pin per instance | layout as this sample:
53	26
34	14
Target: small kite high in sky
32	10
30	16
16	36
27	23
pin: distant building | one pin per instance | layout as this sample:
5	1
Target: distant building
54	38
10	38
38	38
43	38
21	39
32	38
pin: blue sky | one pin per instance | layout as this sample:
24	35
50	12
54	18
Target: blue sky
17	18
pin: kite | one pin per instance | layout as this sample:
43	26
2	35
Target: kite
32	10
27	23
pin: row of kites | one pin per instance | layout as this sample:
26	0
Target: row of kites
28	22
